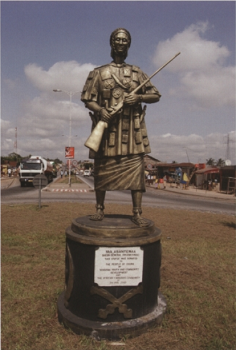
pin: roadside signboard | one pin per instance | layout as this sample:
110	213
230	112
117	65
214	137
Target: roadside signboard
39	182
69	152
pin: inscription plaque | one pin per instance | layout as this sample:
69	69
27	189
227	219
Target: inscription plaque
118	266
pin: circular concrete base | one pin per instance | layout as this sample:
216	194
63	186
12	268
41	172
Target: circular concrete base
110	330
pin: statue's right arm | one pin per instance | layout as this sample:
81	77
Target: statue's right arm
101	111
93	106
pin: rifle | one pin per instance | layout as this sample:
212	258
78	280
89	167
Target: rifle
94	140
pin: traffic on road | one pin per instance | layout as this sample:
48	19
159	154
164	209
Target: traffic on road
169	198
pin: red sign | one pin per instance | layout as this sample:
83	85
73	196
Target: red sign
71	163
69	152
200	166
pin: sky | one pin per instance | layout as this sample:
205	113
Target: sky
48	45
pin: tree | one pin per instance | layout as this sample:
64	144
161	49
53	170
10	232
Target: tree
88	166
220	163
210	161
12	157
57	161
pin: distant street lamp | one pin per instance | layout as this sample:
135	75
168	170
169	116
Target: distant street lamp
70	93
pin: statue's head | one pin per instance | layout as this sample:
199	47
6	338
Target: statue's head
120	41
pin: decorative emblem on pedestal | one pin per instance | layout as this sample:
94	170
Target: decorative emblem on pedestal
116	303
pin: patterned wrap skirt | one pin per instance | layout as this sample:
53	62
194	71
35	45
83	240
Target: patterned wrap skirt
119	173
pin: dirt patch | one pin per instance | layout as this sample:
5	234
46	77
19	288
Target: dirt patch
197	279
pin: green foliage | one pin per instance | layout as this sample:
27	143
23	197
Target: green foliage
14	157
220	163
210	161
88	166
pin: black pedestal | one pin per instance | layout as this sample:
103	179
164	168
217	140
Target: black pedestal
112	277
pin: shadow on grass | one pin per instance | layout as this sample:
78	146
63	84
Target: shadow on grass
229	224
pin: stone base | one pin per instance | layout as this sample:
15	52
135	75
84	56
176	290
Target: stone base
111	330
104	295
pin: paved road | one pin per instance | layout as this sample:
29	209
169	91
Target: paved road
154	198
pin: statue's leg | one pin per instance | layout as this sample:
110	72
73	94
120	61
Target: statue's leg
137	209
100	197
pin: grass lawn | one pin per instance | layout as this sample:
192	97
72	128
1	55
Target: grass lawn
197	279
65	180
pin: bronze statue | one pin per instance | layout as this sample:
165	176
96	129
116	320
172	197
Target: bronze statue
118	160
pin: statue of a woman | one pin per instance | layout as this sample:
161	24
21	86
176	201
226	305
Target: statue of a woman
119	163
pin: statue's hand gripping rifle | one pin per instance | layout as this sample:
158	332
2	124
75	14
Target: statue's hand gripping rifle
94	140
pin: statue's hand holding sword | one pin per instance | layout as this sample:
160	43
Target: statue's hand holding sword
94	140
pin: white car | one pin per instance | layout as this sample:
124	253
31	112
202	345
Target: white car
87	173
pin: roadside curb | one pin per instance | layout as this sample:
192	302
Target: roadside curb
197	194
74	188
9	184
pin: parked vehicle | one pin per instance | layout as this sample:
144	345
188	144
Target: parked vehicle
35	165
87	173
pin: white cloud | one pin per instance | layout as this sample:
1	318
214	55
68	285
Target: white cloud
5	125
45	116
49	113
193	148
197	53
10	84
201	67
69	76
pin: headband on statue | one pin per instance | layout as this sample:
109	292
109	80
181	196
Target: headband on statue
120	30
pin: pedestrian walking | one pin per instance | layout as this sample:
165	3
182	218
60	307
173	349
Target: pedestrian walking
156	184
161	183
164	179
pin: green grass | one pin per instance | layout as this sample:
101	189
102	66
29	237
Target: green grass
74	180
197	280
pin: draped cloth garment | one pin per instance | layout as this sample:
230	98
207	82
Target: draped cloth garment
119	164
120	173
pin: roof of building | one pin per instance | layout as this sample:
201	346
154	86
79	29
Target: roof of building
176	165
152	158
209	170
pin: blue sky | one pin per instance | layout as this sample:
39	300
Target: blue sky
54	44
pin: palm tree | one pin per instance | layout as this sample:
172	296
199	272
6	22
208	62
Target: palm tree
210	161
220	163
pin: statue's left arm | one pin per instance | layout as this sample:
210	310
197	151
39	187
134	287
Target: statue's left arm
132	99
147	94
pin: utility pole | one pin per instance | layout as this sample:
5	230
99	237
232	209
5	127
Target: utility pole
187	153
70	93
227	149
15	143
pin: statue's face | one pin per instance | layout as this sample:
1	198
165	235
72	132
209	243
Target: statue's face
121	43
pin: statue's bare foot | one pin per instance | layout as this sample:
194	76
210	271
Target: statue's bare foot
138	220
98	216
